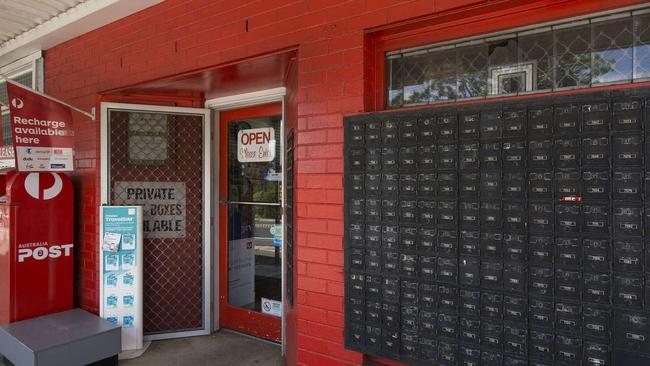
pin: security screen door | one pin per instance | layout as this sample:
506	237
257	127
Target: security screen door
157	158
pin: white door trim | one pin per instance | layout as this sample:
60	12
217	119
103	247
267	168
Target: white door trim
247	99
207	198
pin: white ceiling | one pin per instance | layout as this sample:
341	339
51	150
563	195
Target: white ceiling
28	26
18	16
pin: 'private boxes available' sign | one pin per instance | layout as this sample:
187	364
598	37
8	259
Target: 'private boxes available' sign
43	136
256	145
164	206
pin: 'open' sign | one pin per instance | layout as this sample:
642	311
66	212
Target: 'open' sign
256	145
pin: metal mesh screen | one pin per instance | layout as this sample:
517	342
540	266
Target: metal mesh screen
156	160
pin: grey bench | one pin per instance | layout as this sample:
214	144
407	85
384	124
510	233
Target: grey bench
73	337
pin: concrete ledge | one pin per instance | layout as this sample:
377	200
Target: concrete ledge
73	337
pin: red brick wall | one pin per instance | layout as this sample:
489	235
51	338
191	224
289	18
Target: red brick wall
335	77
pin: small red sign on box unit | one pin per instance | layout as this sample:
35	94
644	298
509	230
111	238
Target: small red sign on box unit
43	134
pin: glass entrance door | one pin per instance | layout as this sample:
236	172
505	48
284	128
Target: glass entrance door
251	220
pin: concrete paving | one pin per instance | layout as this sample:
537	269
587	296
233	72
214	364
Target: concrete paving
219	349
222	348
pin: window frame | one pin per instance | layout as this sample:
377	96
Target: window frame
30	64
480	22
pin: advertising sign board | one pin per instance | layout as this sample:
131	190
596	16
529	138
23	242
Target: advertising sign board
121	271
256	145
43	135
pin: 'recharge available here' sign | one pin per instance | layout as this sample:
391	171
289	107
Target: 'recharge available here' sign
164	213
256	145
43	135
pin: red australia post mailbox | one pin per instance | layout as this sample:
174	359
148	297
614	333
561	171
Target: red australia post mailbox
36	244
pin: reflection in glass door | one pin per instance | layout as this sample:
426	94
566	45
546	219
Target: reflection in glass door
251	234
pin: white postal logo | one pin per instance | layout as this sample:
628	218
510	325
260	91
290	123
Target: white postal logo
17	103
33	186
41	253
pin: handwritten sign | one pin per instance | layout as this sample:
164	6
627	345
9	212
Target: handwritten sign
256	145
164	206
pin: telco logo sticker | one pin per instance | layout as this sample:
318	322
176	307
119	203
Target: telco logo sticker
40	253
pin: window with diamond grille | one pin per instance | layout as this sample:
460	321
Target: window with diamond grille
581	54
164	151
24	79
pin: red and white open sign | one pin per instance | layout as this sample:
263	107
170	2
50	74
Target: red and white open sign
256	145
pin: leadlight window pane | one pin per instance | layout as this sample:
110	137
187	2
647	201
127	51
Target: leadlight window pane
416	78
537	49
642	46
395	78
573	57
611	59
443	75
472	74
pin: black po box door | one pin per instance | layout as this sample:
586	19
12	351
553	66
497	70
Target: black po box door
501	233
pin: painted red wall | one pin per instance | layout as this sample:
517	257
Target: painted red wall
336	76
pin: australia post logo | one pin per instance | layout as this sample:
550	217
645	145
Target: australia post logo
42	250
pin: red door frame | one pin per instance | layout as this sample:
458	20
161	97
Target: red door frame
232	317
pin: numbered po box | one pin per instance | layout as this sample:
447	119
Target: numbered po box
490	124
595	184
632	331
515	247
568	350
542	345
596	288
447	127
567	118
470	302
426	159
628	290
595	218
628	185
490	156
568	184
596	254
566	153
628	115
540	121
469	155
514	122
469	185
514	185
540	185
568	317
596	354
468	126
568	284
514	154
628	150
595	151
491	305
515	308
596	322
596	117
515	338
541	250
628	255
541	217
567	252
541	281
568	218
426	130
628	219
408	131
541	313
492	335
540	154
